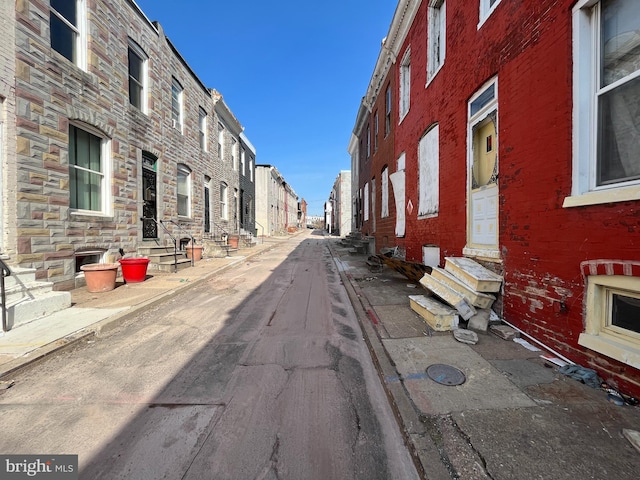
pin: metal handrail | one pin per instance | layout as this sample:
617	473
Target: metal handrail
262	236
175	244
193	240
3	294
215	225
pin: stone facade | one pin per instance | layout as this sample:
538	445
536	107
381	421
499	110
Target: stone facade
276	202
55	96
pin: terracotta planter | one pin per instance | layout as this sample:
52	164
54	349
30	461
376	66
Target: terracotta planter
194	251
134	270
233	241
100	277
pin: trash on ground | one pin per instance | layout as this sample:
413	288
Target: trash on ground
617	398
633	436
526	344
5	384
585	375
411	285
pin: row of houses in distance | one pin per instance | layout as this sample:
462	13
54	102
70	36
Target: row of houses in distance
508	132
108	137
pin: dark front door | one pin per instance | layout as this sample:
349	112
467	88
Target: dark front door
149	210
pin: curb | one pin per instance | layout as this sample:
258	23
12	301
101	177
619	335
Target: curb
112	322
422	449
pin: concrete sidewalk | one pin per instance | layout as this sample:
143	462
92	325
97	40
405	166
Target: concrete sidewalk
514	417
91	313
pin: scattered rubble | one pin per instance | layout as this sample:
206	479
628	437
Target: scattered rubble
465	336
633	436
504	331
480	321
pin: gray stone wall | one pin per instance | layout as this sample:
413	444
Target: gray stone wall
52	93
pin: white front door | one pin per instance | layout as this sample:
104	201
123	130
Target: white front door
482	206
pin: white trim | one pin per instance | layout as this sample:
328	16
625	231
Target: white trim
433	28
404	89
614	342
486	10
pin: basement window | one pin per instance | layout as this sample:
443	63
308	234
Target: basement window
612	322
87	257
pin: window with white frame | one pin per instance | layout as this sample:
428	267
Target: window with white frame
375	132
436	37
234	154
405	84
387	111
176	104
251	169
242	161
486	8
612	322
384	207
137	77
368	141
89	170
67	30
184	191
366	201
202	126
224	201
221	141
606	83
428	172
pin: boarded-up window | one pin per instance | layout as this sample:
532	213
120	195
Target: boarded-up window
384	207
428	161
366	202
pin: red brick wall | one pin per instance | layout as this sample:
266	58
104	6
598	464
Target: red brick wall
527	45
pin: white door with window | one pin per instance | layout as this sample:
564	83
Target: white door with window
482	208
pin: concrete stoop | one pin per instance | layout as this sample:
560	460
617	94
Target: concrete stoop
28	299
463	288
161	257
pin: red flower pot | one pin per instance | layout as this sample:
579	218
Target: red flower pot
134	269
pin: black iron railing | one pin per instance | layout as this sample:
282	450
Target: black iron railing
5	272
175	241
193	240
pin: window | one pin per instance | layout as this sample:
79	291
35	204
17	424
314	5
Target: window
234	154
137	77
366	201
436	37
221	141
384	208
486	8
612	325
405	84
184	191
251	169
242	161
66	25
375	132
606	82
88	170
202	123
428	173
224	201
176	104
387	114
368	141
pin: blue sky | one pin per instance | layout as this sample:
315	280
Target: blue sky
292	72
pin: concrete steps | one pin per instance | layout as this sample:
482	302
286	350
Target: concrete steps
463	287
28	299
161	257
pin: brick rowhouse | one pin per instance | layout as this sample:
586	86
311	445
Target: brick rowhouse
545	229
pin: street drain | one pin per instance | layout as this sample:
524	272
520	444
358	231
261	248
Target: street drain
445	374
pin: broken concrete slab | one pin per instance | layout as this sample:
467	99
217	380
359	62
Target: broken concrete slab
633	436
473	274
477	299
465	336
448	295
480	321
438	316
504	331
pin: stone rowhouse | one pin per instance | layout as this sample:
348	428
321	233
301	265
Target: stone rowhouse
508	151
277	204
340	199
111	126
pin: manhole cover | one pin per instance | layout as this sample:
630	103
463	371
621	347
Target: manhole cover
445	374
